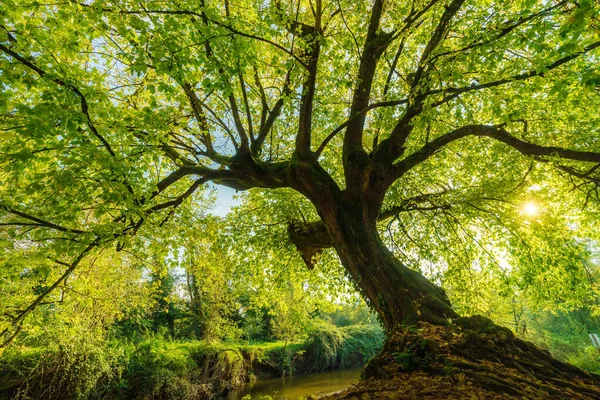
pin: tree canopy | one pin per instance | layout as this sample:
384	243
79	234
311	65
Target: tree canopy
427	125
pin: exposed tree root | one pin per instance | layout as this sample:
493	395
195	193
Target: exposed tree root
471	358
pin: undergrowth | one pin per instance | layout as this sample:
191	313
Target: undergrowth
157	368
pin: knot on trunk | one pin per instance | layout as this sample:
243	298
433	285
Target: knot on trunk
310	239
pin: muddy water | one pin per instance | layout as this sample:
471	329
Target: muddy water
295	387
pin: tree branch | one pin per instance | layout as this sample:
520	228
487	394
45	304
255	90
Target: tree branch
455	92
506	28
303	137
496	132
390	148
179	199
375	44
18	320
271	116
84	106
71	87
40	222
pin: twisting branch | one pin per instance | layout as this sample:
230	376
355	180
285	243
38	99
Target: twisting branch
167	149
391	148
388	151
497	132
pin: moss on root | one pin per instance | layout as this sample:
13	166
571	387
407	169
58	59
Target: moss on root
470	358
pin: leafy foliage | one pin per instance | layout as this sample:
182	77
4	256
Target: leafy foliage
386	136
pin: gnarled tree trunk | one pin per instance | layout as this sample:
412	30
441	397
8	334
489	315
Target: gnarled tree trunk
428	342
398	294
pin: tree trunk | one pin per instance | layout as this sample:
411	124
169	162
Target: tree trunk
428	344
195	306
428	340
398	294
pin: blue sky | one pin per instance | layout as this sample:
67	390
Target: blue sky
224	201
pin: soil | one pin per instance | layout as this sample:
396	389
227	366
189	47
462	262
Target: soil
469	358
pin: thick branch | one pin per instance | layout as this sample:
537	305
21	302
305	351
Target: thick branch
438	34
496	132
375	44
393	146
303	137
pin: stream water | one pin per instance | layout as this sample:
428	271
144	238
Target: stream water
292	388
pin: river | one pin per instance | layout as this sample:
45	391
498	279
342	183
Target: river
294	387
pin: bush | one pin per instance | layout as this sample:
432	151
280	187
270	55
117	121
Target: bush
330	347
186	370
64	370
362	342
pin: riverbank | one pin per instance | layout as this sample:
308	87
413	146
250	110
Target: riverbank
169	370
310	386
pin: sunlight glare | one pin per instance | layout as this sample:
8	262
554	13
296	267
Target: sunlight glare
531	209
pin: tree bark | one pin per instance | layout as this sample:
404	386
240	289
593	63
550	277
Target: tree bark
398	294
348	223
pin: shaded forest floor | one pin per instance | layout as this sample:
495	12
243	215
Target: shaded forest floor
470	359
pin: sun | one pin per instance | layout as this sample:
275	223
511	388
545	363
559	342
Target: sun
531	209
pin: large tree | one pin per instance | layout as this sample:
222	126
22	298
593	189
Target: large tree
113	114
